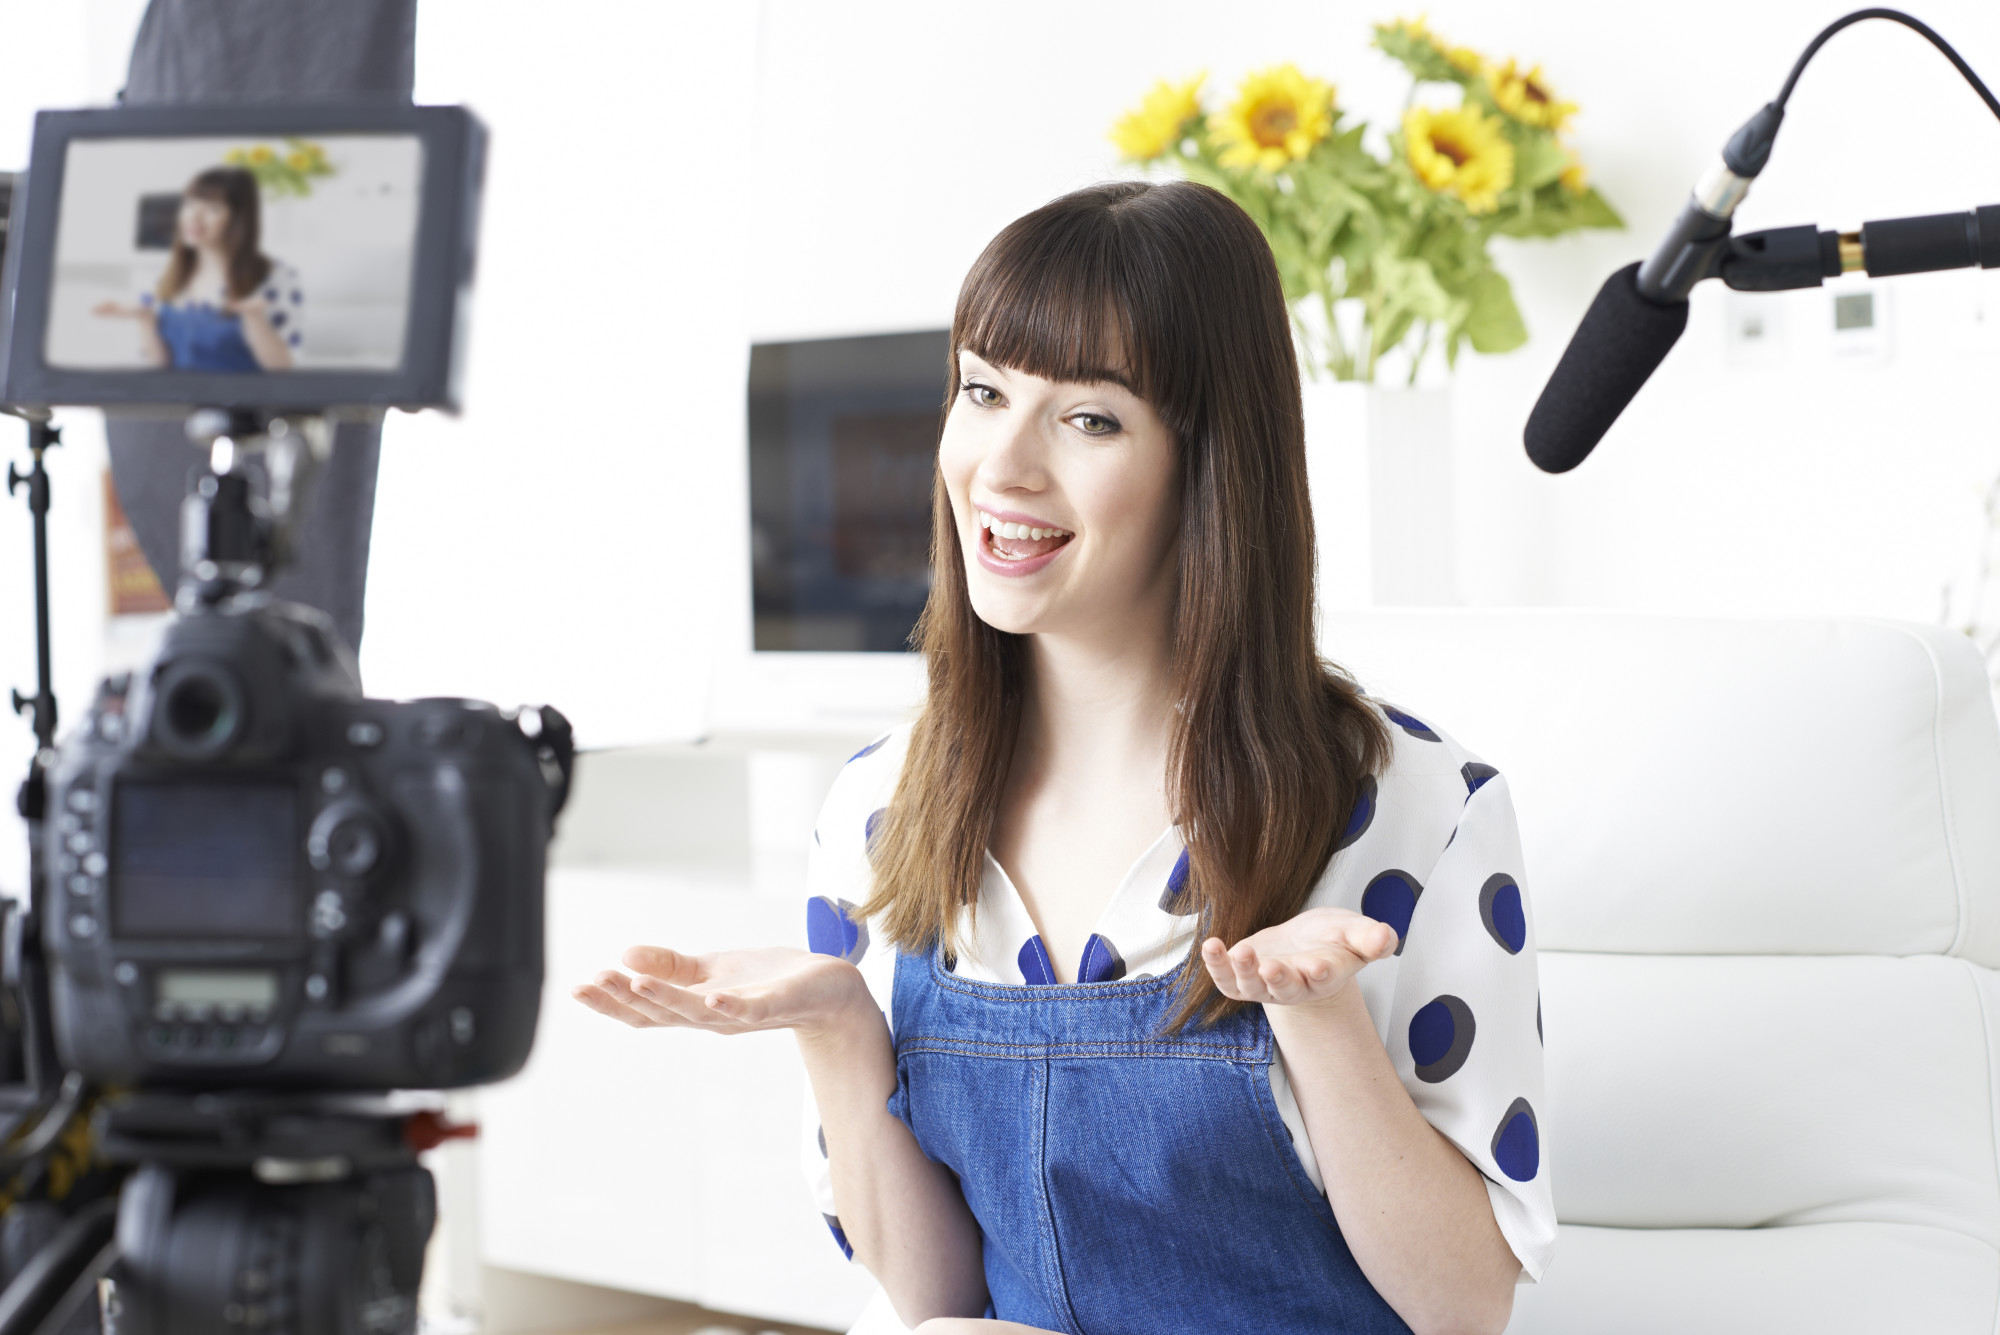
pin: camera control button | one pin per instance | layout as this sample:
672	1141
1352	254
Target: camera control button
127	973
83	887
83	927
81	799
333	780
317	987
364	733
78	842
95	864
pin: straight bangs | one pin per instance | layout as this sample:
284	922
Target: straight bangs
1070	302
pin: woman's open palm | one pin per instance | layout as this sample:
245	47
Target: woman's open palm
1304	959
729	991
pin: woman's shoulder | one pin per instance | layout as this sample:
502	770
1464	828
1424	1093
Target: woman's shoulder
861	790
1414	802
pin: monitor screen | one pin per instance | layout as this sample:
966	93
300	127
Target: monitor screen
843	450
194	859
249	255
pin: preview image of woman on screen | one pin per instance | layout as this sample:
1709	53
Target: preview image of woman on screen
221	304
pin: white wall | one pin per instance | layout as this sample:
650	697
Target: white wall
673	181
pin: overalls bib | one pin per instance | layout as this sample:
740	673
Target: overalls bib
202	338
1125	1183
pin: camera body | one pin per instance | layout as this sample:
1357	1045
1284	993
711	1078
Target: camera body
257	877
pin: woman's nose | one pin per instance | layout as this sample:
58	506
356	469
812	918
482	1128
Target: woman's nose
1017	459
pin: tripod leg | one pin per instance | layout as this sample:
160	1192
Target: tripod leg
61	1269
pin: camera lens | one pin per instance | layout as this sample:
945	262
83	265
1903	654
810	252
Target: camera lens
200	712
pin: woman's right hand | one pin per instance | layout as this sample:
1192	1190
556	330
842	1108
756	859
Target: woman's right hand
729	991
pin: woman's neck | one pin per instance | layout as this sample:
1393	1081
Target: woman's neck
1096	711
211	268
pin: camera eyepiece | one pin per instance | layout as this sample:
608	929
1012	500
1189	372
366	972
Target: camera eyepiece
199	710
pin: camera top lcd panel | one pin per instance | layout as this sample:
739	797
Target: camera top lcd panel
295	258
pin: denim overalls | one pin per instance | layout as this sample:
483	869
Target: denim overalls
1125	1184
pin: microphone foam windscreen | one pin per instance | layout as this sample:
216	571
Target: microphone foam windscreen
1622	340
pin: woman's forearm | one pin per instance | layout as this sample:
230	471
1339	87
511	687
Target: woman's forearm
1413	1210
265	344
152	347
903	1214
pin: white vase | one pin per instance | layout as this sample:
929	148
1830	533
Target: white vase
1379	463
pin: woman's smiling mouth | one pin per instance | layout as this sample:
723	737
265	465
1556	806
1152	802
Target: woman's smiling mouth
1017	544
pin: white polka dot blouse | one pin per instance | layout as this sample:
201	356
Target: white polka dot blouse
1432	850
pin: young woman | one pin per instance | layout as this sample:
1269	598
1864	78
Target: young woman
221	304
1161	980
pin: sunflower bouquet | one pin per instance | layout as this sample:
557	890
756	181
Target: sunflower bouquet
290	170
1403	234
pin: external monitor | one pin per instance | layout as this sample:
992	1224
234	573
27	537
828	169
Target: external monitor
242	256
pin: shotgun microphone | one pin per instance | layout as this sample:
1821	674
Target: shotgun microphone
1642	309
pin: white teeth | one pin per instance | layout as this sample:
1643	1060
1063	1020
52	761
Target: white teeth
1003	528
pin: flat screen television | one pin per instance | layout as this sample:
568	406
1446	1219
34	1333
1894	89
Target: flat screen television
842	436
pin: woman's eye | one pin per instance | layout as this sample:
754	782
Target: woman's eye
1091	424
984	395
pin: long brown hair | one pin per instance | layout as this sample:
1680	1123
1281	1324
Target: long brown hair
1174	288
236	190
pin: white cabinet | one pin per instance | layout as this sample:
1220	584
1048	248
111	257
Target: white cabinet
667	1161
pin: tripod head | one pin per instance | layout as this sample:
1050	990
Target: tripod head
233	539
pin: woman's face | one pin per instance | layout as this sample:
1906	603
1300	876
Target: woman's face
203	221
1092	469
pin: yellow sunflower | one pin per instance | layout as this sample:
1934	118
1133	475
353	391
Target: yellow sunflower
1149	131
1461	58
1460	152
1278	115
1574	178
1526	98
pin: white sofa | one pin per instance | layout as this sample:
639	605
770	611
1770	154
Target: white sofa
1764	858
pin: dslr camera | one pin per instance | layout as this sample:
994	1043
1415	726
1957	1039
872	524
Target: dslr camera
263	907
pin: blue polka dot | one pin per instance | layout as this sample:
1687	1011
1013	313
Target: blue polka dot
1363	815
1101	962
1476	775
1441	1038
278	320
822	1142
292	339
146	299
832	929
1392	898
1175	898
296	298
1500	909
871	826
1036	968
1416	727
869	749
270	294
1517	1142
839	1235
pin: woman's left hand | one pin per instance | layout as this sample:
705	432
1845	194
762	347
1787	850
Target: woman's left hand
1306	959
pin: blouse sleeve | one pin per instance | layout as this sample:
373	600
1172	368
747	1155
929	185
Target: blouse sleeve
838	879
285	295
1465	1027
